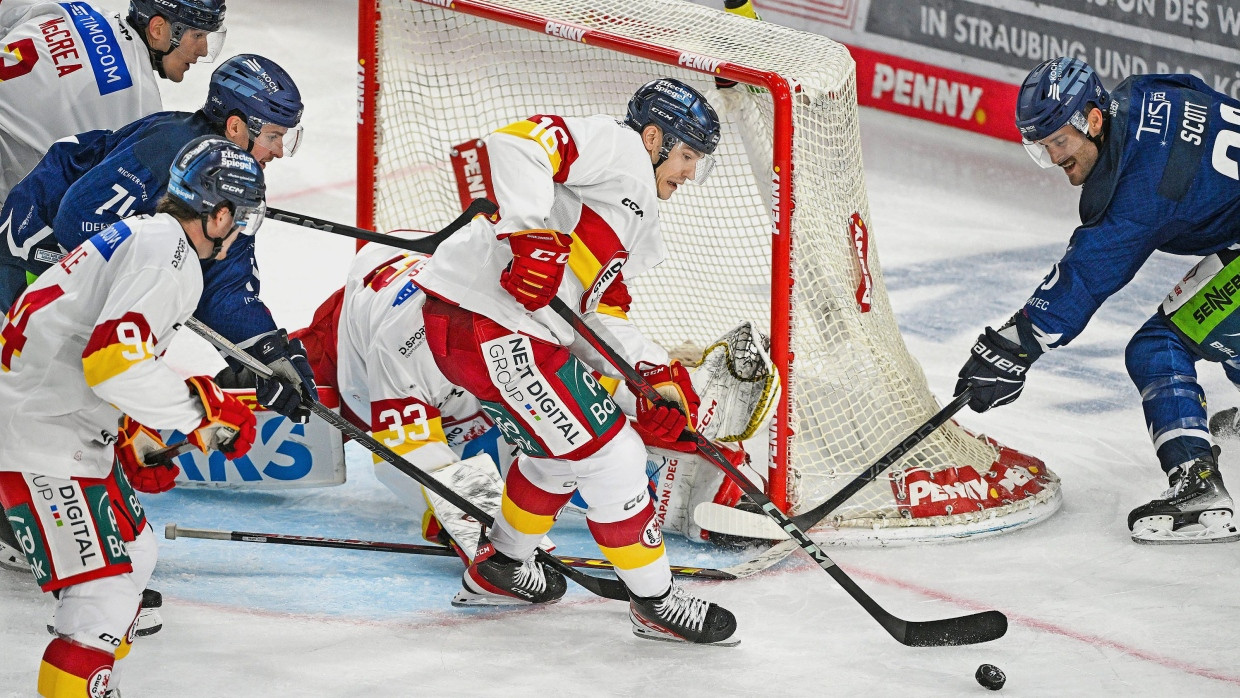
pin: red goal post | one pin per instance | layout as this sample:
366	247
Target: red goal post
784	238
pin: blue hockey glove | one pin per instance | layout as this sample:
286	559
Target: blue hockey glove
995	372
280	393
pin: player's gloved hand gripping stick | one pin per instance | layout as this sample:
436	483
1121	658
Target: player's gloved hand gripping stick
963	630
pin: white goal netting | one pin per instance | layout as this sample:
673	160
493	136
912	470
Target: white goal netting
445	77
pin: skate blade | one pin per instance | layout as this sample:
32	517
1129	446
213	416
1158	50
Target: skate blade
468	599
664	637
10	559
149	623
1157	530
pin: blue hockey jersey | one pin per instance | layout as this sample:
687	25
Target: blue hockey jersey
89	182
1168	178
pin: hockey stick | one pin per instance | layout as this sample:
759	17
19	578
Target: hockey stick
173	531
607	588
811	518
963	630
425	245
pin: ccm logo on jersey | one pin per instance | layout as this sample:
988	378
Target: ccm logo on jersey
565	31
997	361
637	210
606	275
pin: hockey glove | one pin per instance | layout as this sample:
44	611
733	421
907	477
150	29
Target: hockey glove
538	259
294	380
995	372
662	424
132	448
229	424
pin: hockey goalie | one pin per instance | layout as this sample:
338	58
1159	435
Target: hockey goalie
368	339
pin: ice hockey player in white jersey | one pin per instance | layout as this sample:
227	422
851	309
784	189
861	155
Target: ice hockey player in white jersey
82	391
71	67
368	340
577	195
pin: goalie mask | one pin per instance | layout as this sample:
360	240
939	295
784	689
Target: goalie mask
211	171
683	115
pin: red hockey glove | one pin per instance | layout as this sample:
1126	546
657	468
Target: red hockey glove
538	259
132	448
662	424
229	424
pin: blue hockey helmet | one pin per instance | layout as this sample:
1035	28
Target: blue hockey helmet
183	16
211	171
1057	92
261	92
682	113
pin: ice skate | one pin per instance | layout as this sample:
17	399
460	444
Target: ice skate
494	579
149	619
1195	509
12	558
678	617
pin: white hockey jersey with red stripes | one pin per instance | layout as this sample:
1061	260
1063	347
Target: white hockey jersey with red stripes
79	347
66	68
591	177
385	370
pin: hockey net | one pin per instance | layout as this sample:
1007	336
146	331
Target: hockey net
796	254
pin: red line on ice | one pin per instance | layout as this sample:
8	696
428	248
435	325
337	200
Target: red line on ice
1044	626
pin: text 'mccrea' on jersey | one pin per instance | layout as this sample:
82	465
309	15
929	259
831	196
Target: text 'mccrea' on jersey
65	68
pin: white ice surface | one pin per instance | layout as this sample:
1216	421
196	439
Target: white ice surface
966	226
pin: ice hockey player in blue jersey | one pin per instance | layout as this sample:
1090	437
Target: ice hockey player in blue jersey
1158	160
86	183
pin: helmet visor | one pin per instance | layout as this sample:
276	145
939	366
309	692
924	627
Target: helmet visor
248	219
199	43
1058	147
695	165
277	139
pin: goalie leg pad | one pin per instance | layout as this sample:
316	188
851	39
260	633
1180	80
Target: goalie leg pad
684	481
476	479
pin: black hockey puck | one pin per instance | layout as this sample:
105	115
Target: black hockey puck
990	676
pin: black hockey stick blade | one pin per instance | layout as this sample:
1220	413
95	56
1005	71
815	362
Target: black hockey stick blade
607	588
965	630
426	245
